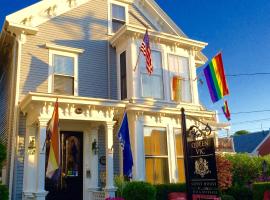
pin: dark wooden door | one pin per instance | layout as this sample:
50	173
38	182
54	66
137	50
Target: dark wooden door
71	183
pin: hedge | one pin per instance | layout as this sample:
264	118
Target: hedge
259	189
3	192
164	189
227	197
138	190
239	192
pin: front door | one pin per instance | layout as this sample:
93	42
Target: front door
70	187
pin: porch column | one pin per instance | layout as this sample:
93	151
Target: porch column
109	188
40	193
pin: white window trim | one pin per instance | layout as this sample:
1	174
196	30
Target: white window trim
51	70
110	2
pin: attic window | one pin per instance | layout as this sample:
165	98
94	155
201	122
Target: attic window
118	17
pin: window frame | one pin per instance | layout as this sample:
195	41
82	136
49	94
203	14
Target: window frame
182	78
153	156
178	156
161	75
53	52
110	18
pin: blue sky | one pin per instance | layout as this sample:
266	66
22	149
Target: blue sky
241	29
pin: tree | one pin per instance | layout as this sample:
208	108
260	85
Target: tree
241	132
224	172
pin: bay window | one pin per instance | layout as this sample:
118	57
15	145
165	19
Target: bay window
179	155
156	155
152	85
179	76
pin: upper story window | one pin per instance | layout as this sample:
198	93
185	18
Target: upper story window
156	155
63	69
179	76
118	16
63	74
152	85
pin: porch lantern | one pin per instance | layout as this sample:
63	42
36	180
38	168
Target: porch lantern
94	147
32	145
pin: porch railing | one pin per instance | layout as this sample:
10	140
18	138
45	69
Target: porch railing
98	195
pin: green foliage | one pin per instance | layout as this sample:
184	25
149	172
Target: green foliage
3	154
245	168
120	183
3	192
164	189
138	190
259	189
241	132
239	192
227	197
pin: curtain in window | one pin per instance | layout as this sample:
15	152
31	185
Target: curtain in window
179	155
156	155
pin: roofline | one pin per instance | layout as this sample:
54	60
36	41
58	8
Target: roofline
132	29
260	144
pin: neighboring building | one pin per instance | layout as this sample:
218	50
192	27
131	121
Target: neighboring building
225	145
253	143
83	52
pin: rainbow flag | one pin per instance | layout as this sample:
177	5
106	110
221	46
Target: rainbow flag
226	111
53	164
215	78
176	88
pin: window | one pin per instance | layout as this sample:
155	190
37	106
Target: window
118	17
179	76
152	85
156	155
63	76
179	155
123	75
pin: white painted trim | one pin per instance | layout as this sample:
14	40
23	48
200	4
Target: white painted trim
63	48
51	70
255	151
162	37
16	109
120	3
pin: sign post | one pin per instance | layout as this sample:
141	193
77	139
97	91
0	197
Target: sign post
200	161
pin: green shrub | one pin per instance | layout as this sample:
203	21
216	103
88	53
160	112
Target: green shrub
164	189
3	192
138	190
259	189
120	183
239	192
245	168
3	154
227	197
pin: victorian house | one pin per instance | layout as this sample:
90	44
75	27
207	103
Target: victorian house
85	53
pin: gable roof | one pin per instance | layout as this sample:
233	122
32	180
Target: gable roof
29	18
248	143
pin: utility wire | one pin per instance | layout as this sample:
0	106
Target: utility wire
247	112
248	74
251	121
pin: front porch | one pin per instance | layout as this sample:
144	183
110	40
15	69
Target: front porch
95	119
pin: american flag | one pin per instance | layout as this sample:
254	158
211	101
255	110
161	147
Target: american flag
145	49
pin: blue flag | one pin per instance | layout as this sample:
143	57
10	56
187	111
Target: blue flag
123	136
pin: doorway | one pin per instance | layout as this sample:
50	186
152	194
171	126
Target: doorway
70	186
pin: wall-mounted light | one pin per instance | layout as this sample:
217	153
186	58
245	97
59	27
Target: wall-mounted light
32	145
95	147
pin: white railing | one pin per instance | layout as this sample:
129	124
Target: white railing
98	195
